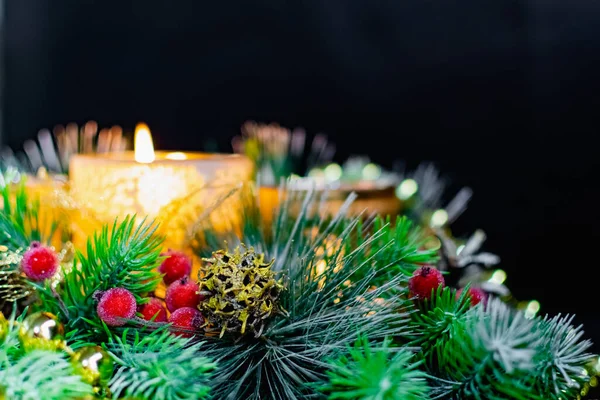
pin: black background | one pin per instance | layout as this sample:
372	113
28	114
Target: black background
502	95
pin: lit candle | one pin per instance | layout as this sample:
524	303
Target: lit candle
145	181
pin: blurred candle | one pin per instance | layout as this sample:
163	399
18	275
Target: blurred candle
372	197
144	181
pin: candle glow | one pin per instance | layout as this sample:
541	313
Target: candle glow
146	182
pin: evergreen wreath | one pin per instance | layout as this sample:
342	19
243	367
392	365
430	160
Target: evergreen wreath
304	307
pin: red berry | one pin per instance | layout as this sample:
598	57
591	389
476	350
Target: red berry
39	262
183	293
186	318
476	295
176	266
116	306
153	310
424	281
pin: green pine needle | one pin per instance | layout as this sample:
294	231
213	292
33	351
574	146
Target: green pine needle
10	344
125	255
40	375
403	247
20	221
380	373
490	355
562	359
434	319
159	366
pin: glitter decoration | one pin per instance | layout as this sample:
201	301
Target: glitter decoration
241	292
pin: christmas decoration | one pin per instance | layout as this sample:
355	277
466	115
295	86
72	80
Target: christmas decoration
39	371
290	303
39	262
186	321
93	364
183	293
124	255
175	266
153	310
424	282
116	306
292	346
241	291
42	331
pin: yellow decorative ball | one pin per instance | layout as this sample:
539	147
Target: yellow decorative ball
93	364
42	331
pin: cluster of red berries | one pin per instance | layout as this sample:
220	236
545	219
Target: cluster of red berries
117	305
427	280
182	298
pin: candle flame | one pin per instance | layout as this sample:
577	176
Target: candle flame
144	149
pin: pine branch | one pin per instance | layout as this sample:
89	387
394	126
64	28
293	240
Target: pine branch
125	255
562	359
159	366
434	319
490	355
402	245
20	220
380	373
40	375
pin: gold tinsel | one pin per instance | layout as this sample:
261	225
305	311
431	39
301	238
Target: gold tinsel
241	292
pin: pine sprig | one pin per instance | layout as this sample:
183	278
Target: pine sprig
404	246
434	319
562	358
20	219
40	375
159	366
490	356
376	373
125	255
